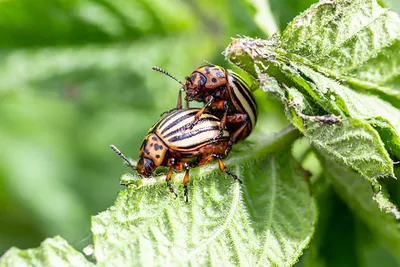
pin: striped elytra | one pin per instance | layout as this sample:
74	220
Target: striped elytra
173	130
242	97
172	143
224	94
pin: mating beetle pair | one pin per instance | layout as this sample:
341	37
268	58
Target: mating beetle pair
185	138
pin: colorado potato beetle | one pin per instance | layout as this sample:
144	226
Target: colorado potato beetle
169	144
226	95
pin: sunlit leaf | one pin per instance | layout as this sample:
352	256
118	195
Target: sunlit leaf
52	252
293	66
266	221
352	41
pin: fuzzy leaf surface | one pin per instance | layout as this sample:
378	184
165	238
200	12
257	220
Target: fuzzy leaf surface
266	221
353	41
293	67
52	252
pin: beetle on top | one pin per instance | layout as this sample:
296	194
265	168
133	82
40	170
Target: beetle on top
225	94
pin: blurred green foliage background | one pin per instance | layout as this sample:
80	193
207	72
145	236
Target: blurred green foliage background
75	77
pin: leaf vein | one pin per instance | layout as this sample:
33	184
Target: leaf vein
223	227
271	210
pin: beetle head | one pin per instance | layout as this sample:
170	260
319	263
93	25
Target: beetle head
195	87
145	167
151	154
205	81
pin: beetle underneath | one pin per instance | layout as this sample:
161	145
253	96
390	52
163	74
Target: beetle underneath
169	144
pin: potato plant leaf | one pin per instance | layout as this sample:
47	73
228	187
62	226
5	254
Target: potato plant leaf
366	204
356	42
268	220
315	68
52	252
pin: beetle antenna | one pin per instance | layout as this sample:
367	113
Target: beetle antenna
208	62
119	153
166	73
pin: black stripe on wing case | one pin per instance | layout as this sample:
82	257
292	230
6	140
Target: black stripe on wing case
178	120
182	128
193	133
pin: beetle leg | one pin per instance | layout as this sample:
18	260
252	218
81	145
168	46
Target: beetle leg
237	133
200	112
228	149
185	184
168	179
224	169
223	121
179	104
233	139
187	104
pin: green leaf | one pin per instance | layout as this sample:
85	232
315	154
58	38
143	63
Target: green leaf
358	195
388	134
266	221
81	22
100	89
374	255
352	142
103	94
52	252
356	42
393	4
263	16
294	67
285	10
